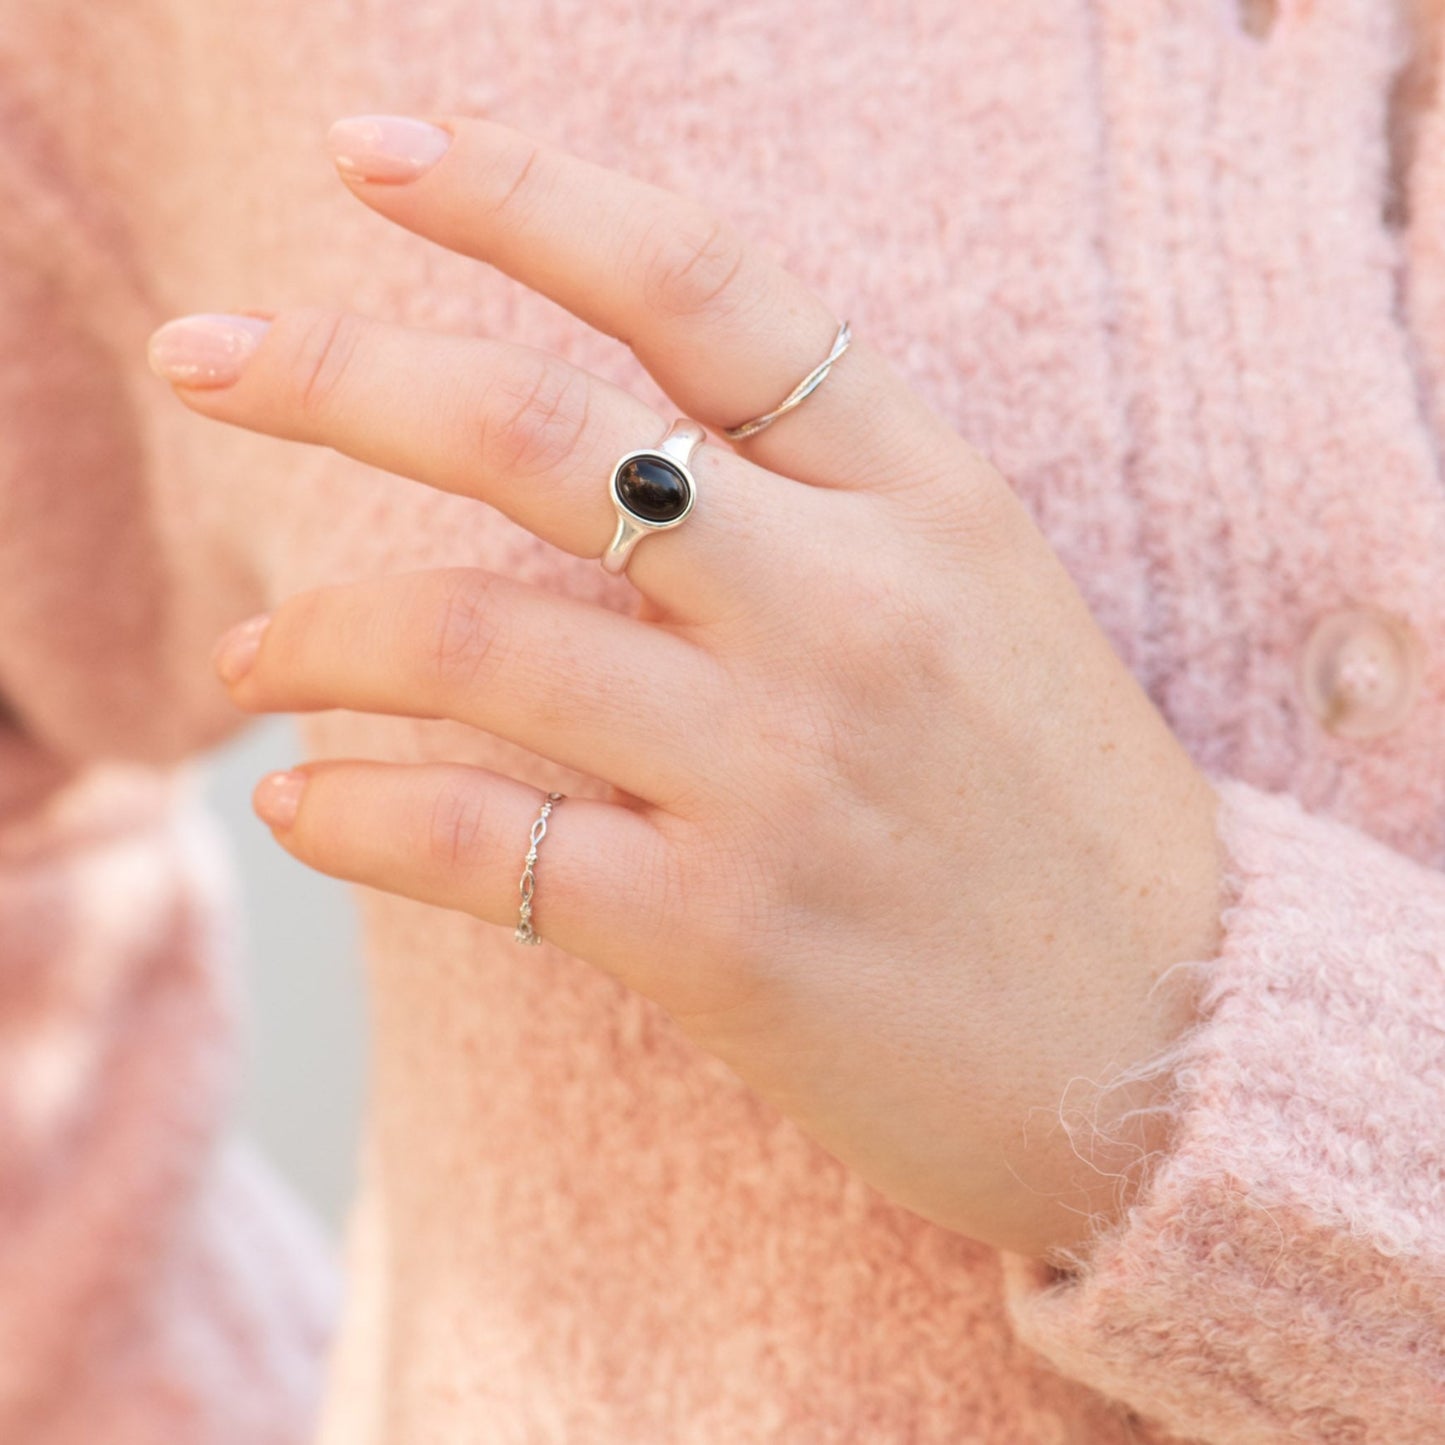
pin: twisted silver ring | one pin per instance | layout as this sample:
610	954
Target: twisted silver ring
799	393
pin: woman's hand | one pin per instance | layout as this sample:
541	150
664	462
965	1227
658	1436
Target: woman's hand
891	828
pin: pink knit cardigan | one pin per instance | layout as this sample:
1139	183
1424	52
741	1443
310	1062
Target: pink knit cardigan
1172	276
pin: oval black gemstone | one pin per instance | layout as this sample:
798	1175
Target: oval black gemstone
653	489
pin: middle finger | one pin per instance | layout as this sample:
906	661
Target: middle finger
514	426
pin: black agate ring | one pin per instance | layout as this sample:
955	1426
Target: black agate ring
652	489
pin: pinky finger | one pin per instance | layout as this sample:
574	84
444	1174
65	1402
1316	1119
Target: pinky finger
457	836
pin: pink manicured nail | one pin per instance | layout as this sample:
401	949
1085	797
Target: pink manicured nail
236	650
277	798
388	148
208	349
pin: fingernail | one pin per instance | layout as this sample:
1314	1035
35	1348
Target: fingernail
208	349
388	148
236	650
277	798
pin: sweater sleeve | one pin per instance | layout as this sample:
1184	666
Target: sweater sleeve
1280	1275
156	1284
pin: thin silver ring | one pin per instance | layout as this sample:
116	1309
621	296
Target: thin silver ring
524	932
799	393
653	489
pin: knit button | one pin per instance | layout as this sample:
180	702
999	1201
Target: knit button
1360	671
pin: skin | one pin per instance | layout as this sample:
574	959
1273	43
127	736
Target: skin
891	829
1414	89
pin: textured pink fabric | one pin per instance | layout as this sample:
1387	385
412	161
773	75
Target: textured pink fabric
1287	1265
1149	262
154	1282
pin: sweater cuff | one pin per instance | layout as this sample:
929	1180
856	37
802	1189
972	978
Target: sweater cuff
1281	1272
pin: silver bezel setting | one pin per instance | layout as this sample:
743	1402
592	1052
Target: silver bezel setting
675	451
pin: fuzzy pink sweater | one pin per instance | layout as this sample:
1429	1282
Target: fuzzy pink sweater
1176	279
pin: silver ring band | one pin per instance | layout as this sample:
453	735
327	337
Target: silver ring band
799	393
524	932
652	488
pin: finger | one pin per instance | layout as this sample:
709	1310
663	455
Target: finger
725	330
457	836
598	692
513	426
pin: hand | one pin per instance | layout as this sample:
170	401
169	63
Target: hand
882	821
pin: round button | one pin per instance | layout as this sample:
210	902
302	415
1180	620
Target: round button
1360	671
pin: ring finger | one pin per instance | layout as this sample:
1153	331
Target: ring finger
565	679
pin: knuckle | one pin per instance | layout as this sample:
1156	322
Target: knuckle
690	266
886	615
519	173
881	644
460	634
896	640
323	347
533	424
755	878
898	625
969	511
457	823
779	750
